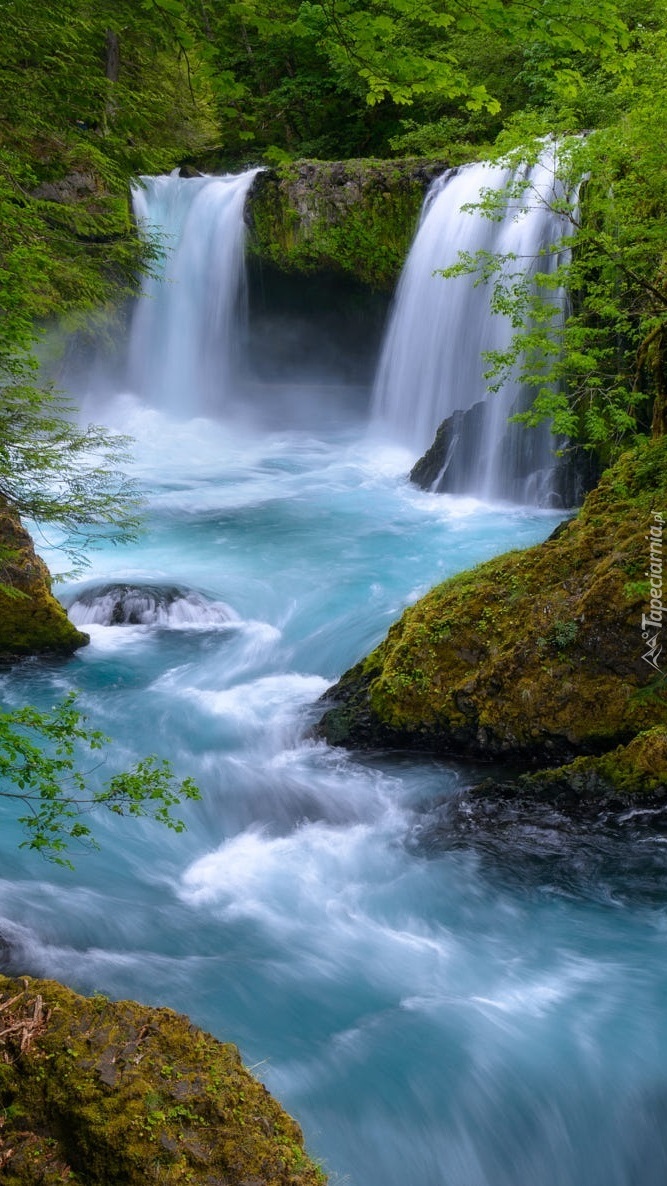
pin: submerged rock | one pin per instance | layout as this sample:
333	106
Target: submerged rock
172	606
540	655
32	622
96	1093
448	463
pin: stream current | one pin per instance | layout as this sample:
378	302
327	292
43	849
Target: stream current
433	1012
436	1007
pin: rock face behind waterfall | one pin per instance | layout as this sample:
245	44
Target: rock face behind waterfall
356	217
96	1093
31	620
445	464
446	467
535	655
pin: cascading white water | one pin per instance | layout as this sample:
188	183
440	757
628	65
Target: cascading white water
431	363
188	325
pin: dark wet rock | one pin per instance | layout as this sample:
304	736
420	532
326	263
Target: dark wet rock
630	777
596	828
448	463
121	604
577	471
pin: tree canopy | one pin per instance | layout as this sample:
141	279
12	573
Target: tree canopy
360	77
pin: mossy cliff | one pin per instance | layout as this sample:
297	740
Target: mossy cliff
95	1093
355	217
32	622
537	655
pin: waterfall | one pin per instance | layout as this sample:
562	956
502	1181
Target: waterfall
189	322
431	363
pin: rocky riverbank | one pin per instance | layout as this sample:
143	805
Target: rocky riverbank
32	622
537	657
95	1093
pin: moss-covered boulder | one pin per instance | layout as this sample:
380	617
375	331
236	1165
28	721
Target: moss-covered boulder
95	1093
628	776
540	654
355	217
32	622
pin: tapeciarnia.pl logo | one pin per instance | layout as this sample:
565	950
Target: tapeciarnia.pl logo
652	621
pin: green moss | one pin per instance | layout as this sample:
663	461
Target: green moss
639	768
611	780
32	622
356	217
535	653
123	1093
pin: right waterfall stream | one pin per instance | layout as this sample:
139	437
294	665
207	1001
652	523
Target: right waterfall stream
432	362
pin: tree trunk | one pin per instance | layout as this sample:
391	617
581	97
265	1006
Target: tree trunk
112	56
658	367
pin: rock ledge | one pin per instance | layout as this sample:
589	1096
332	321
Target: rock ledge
96	1093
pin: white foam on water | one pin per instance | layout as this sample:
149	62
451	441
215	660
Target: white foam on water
267	707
